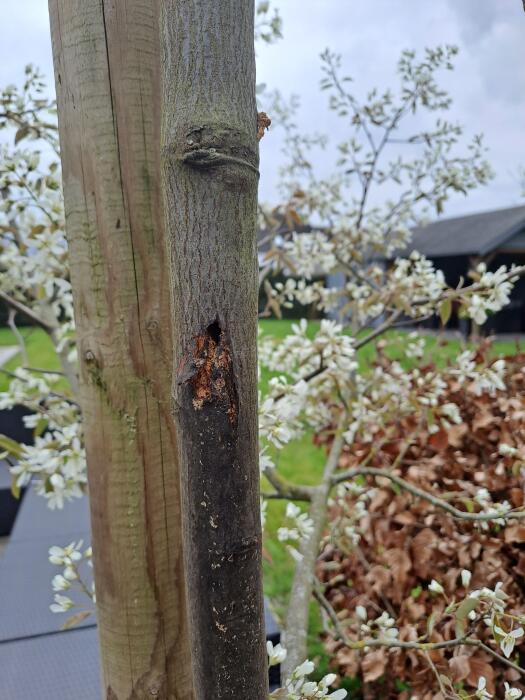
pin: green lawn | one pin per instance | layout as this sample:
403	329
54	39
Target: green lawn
301	461
40	351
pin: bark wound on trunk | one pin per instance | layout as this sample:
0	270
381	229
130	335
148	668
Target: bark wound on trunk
223	539
209	372
210	167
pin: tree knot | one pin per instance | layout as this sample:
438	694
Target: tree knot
210	146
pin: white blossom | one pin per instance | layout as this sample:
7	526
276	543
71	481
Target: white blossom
62	604
361	612
466	576
60	583
435	587
299	688
507	450
508	639
276	654
481	691
512	693
66	556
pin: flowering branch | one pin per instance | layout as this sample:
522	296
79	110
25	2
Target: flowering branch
420	493
392	643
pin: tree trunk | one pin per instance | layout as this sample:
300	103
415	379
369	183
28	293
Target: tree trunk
297	614
210	161
107	71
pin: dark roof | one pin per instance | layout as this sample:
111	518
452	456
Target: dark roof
476	234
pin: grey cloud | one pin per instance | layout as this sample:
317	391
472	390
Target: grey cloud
477	18
488	85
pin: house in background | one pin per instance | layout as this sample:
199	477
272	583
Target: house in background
457	245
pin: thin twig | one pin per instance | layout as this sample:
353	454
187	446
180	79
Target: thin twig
284	489
425	495
379	330
436	673
425	647
26	311
55	394
19	337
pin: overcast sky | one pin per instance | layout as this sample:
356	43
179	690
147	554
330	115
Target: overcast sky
488	85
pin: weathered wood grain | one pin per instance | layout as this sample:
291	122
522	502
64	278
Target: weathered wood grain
106	55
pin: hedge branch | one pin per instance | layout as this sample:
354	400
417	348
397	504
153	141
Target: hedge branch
425	495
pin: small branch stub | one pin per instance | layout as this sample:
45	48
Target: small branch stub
263	123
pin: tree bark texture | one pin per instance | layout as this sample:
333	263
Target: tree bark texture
210	166
107	72
297	614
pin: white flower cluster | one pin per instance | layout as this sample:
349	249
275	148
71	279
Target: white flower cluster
415	285
383	627
377	235
392	391
298	687
484	379
310	254
56	461
450	413
484	499
283	294
318	367
492	293
415	348
483	694
411	285
279	418
489	606
508	451
29	389
34	248
301	527
70	558
298	355
345	527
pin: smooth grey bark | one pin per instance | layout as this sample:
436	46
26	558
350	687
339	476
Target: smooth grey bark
210	167
296	623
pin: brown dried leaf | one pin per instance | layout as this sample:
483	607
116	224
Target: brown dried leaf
374	665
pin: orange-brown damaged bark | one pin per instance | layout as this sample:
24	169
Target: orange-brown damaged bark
208	368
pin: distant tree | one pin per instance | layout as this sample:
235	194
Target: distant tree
387	176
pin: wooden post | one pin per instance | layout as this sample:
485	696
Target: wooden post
210	168
106	55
